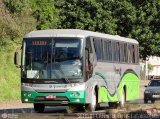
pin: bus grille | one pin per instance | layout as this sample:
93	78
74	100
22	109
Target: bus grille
155	93
58	98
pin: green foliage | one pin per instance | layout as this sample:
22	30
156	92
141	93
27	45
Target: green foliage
150	67
45	14
16	6
147	27
85	14
125	13
11	32
9	75
134	19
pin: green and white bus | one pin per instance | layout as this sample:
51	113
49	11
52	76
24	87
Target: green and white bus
78	68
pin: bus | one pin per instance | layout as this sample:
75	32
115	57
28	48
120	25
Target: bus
78	68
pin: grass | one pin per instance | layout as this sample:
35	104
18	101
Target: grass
9	75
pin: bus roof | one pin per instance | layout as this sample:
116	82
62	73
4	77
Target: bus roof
75	33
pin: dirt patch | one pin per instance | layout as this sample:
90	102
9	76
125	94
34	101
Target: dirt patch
14	104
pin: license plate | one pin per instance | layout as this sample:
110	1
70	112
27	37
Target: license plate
50	97
156	96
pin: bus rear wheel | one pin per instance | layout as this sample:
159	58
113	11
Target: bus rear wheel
39	108
123	99
113	105
153	101
145	101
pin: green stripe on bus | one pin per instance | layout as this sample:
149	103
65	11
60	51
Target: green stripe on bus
130	80
102	76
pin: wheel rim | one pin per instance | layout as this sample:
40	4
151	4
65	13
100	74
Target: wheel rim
123	99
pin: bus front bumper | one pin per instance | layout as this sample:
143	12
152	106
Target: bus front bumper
55	98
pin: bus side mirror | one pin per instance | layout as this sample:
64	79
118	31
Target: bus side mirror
16	58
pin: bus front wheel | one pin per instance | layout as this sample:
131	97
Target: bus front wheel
92	106
39	108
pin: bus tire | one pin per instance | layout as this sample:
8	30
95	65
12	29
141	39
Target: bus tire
80	108
123	99
153	101
145	101
39	108
92	106
113	105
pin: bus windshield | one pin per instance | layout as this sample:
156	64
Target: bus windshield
57	58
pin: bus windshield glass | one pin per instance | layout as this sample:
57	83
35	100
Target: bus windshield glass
57	58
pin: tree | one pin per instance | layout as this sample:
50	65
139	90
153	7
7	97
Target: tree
138	19
85	14
45	14
147	27
125	14
150	67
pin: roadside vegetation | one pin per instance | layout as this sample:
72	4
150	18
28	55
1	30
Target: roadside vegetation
135	19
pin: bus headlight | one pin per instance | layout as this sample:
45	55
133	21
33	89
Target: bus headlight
147	91
75	94
77	100
29	95
26	100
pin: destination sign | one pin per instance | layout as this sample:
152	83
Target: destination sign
39	42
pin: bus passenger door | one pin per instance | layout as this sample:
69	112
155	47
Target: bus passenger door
89	58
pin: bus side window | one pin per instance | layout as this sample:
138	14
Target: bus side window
117	52
113	50
137	54
122	56
107	50
133	54
125	53
130	53
98	48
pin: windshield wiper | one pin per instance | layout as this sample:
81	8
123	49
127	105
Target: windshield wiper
73	58
51	82
66	80
69	58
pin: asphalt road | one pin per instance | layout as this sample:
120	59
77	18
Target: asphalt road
57	112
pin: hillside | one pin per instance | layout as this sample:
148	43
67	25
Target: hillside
9	74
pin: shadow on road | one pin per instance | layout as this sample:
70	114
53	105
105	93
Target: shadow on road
17	110
31	110
60	112
139	114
